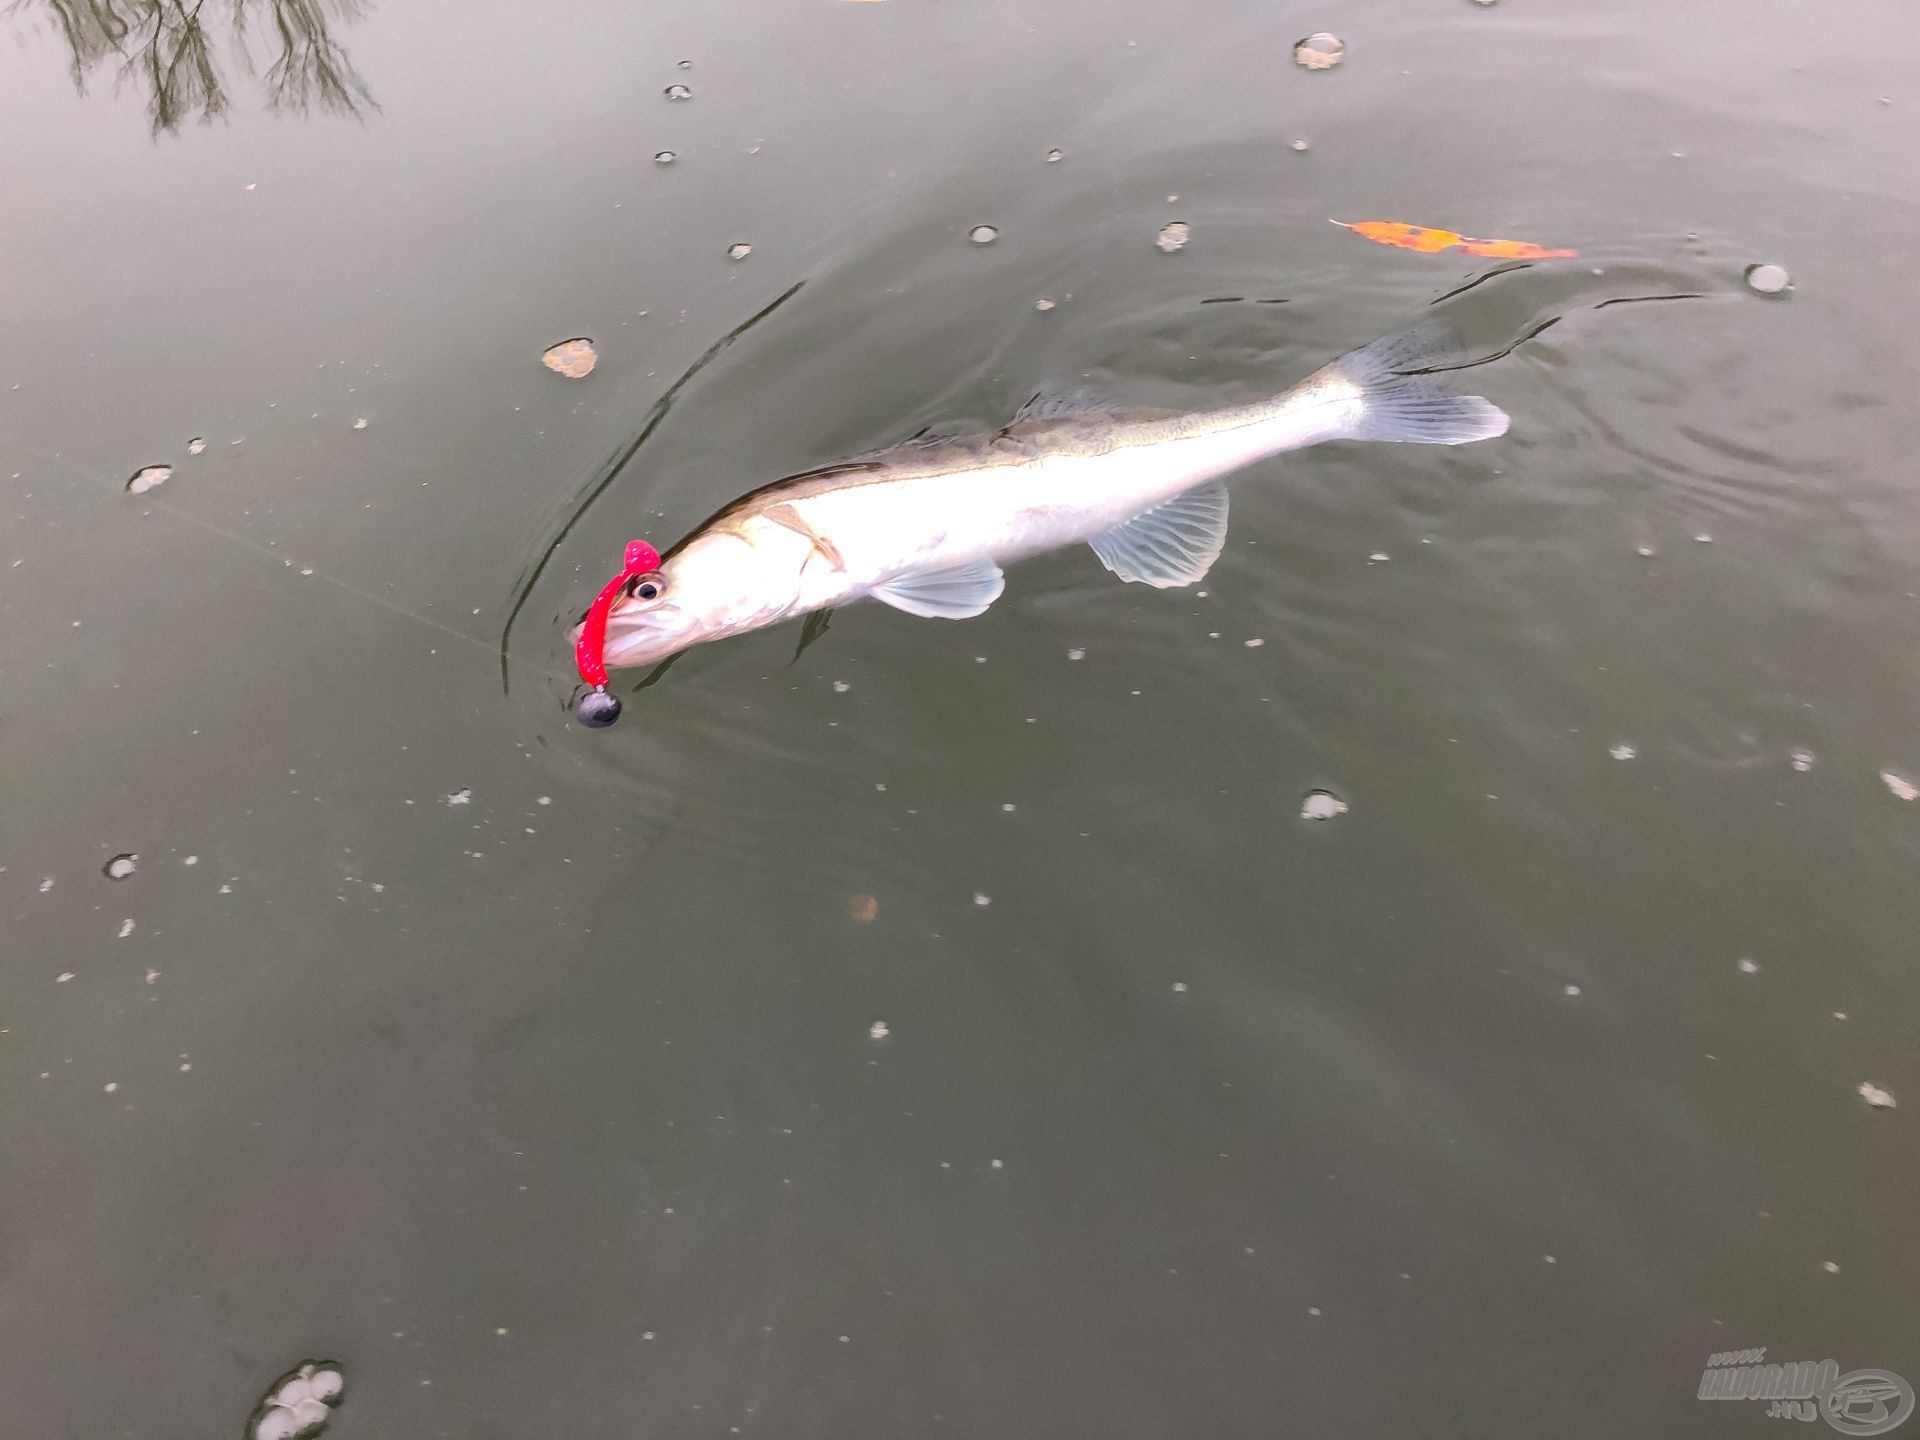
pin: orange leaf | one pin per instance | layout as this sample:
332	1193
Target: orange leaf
1431	242
1515	250
1407	237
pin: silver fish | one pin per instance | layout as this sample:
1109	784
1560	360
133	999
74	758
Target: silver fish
927	526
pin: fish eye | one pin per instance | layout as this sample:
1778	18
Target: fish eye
648	588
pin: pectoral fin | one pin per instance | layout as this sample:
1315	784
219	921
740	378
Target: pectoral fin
1175	543
955	594
786	516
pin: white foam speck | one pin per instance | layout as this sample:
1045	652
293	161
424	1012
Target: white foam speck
980	899
1905	789
1322	805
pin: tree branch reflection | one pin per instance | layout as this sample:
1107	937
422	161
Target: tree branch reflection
170	49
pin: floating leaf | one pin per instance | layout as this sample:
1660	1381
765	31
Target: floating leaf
1430	242
574	359
1319	51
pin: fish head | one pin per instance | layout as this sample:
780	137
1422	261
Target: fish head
719	583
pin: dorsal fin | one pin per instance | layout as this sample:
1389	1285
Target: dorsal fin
1052	401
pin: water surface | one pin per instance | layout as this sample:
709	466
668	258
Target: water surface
957	1030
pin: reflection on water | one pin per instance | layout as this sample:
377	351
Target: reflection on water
175	53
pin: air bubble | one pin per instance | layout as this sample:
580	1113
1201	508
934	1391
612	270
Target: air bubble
293	1392
739	250
678	92
148	477
120	866
1173	236
983	235
664	157
327	1385
1768	279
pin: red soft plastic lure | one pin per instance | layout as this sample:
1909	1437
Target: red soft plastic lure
589	649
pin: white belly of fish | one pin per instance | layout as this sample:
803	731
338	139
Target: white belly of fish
1006	513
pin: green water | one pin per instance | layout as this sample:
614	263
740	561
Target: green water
557	1107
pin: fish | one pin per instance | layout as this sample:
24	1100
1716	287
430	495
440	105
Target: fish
930	525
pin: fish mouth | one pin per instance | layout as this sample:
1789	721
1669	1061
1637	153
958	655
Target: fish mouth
640	636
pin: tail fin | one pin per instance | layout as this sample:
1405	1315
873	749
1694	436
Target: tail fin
1397	405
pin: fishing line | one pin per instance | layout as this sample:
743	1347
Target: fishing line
606	475
174	512
617	462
